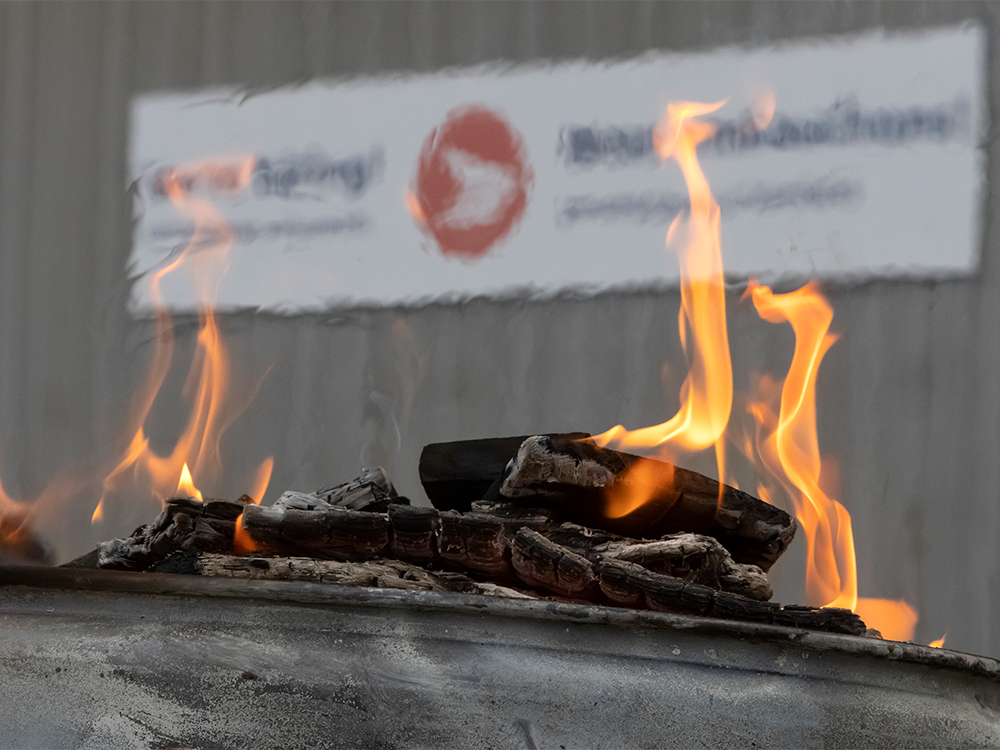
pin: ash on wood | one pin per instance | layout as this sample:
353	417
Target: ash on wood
184	524
582	480
456	474
371	491
511	545
475	541
631	584
327	532
414	532
541	562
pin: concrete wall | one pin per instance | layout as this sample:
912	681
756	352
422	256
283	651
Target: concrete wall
908	399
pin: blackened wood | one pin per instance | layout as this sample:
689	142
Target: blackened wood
580	478
184	523
515	516
631	584
371	491
414	532
88	560
455	474
545	564
338	532
475	541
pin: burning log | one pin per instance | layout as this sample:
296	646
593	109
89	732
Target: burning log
456	474
330	531
184	524
583	481
510	544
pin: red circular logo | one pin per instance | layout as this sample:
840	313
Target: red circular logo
472	182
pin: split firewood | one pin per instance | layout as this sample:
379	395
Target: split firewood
585	482
184	524
456	474
327	532
634	586
372	491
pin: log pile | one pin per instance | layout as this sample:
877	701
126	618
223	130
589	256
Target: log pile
538	531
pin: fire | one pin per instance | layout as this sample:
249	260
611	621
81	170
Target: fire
186	485
787	443
790	451
214	406
707	392
939	643
243	543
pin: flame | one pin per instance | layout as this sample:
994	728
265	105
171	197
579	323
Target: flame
243	543
186	485
789	449
707	392
636	486
939	643
213	405
98	515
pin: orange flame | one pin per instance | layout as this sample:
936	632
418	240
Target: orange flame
207	382
635	488
939	643
707	392
186	485
790	451
243	543
98	515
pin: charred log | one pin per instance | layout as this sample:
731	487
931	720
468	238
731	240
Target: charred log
414	532
327	532
633	585
184	524
581	480
456	474
545	564
475	541
372	491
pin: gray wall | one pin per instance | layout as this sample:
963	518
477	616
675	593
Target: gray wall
909	397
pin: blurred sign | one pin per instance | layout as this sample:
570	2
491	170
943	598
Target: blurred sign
538	179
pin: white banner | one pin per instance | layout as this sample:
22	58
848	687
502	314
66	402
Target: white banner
400	189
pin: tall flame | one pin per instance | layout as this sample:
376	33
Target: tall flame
207	383
707	392
790	451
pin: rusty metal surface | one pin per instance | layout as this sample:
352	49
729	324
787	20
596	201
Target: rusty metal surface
95	659
909	398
